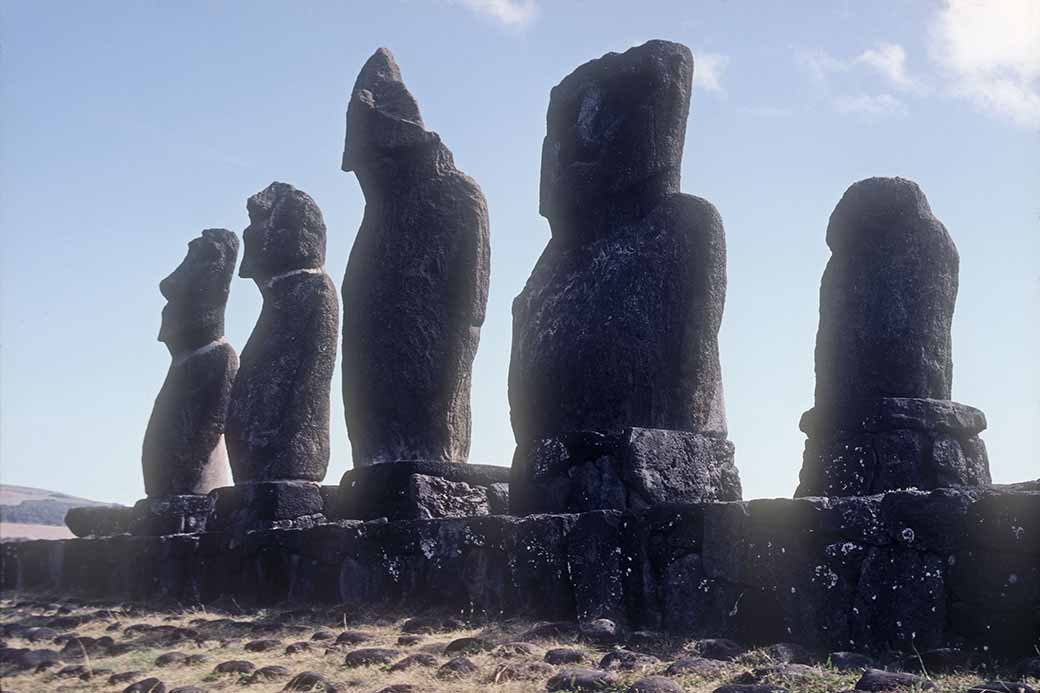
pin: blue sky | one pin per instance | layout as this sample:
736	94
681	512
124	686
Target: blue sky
127	128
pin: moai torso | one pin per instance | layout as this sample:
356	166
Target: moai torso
278	420
416	284
883	418
183	451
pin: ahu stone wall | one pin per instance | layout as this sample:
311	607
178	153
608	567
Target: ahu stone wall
902	570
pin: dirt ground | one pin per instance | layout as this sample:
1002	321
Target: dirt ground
62	645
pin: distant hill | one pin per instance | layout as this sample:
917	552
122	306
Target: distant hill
27	512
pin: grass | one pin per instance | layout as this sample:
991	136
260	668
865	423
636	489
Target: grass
228	643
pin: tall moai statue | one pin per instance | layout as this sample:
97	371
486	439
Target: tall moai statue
883	418
414	295
278	418
184	456
615	385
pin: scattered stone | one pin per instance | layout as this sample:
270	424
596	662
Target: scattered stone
419	267
298	648
599	630
278	417
788	653
149	685
425	625
188	689
262	645
457	668
701	666
71	671
564	655
626	660
269	673
582	680
469	645
415	660
309	681
877	680
559	630
235	666
849	661
324	635
515	649
749	688
787	673
40	634
521	671
409	640
352	637
124	677
170	659
400	688
368	656
195	659
183	451
942	660
718	648
654	684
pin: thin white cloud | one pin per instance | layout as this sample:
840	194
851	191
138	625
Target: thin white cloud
991	52
708	69
873	105
509	12
889	60
820	64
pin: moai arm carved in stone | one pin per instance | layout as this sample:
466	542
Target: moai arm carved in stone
278	419
615	384
416	284
883	418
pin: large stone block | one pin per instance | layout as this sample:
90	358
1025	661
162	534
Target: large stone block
182	514
631	470
266	505
411	490
99	521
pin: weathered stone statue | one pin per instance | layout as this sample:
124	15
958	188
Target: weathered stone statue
278	419
414	296
184	456
416	284
883	418
614	382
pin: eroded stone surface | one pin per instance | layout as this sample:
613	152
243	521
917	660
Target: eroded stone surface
416	283
617	326
278	418
183	450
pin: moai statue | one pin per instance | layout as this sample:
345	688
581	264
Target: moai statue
414	296
278	419
184	457
883	418
615	385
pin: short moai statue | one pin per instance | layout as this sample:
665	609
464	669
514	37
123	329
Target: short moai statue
278	418
883	418
414	296
184	456
615	384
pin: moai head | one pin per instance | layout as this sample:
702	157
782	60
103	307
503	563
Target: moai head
615	128
383	119
286	232
886	299
197	291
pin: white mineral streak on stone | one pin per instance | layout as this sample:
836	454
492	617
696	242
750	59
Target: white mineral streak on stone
284	275
205	348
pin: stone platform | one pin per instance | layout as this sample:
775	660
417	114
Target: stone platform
902	570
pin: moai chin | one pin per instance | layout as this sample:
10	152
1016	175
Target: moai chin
184	456
415	292
883	417
278	418
615	384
